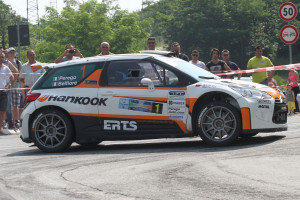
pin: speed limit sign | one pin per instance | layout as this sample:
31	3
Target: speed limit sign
288	11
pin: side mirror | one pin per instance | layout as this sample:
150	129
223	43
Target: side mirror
148	81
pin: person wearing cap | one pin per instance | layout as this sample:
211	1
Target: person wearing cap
15	92
105	49
6	79
14	70
177	50
70	53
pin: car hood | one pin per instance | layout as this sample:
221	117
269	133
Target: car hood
227	83
233	82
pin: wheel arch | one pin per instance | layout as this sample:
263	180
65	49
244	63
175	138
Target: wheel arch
52	107
211	97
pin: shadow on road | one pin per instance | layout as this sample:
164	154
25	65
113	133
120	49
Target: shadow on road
156	146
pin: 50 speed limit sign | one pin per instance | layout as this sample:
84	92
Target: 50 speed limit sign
288	11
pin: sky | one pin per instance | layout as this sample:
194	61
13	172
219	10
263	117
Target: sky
20	6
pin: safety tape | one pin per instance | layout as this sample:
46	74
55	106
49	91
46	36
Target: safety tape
275	68
15	89
21	73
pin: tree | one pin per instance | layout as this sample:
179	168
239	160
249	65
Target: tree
237	25
86	25
8	17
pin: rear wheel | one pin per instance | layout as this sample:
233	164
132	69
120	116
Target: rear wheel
52	131
218	123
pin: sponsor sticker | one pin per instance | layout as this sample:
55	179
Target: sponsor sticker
176	117
66	83
176	107
64	78
264	106
205	85
140	105
176	111
180	103
180	94
261	101
76	100
116	125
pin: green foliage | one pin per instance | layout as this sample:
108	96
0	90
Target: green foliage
237	25
280	81
86	25
8	17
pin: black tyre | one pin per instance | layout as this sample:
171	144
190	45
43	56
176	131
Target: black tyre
218	123
248	135
52	131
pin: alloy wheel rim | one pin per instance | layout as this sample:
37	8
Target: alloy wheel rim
218	123
50	130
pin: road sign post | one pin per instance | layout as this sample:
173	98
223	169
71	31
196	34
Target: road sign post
288	34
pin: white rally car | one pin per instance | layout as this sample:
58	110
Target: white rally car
144	96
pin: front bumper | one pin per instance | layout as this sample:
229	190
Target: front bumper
27	140
270	130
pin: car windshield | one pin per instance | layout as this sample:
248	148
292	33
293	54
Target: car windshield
188	68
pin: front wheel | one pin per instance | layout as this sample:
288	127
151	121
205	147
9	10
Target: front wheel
218	123
52	131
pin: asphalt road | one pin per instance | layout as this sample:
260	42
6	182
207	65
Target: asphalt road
263	167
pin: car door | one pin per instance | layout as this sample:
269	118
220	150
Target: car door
137	107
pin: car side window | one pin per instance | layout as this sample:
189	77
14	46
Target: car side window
159	75
124	73
68	76
130	73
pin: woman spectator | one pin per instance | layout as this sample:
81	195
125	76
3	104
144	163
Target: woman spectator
294	80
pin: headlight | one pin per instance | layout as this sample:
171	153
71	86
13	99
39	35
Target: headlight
251	93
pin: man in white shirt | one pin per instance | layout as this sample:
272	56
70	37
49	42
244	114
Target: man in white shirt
6	79
27	80
195	61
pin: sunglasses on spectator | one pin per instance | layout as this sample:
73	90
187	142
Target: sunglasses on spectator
225	54
105	47
12	52
195	55
151	42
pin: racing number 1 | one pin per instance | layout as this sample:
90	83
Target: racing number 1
83	71
157	108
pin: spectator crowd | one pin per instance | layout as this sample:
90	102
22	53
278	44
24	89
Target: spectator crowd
17	78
